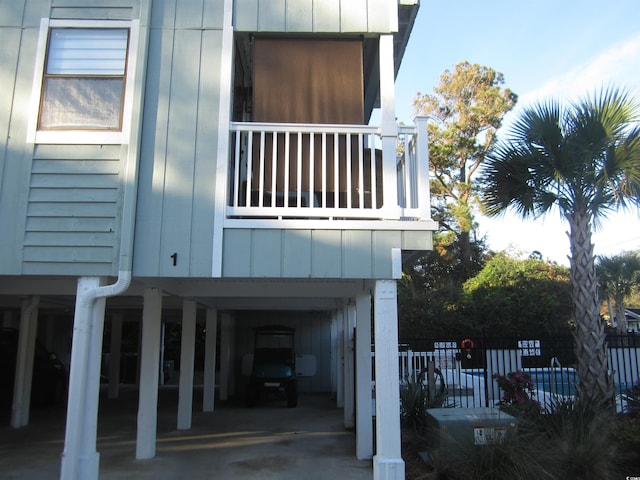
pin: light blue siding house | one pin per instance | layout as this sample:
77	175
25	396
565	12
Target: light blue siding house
209	159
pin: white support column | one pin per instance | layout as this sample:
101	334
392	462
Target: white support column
364	422
349	366
208	394
24	363
225	354
187	355
388	127
114	357
150	358
387	462
340	359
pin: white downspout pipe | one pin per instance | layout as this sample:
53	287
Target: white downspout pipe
79	458
80	461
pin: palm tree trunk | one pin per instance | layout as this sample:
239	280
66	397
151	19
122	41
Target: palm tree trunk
621	318
595	384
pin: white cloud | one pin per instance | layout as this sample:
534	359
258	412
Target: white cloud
618	66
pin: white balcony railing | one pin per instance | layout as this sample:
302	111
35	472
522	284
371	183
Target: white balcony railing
325	172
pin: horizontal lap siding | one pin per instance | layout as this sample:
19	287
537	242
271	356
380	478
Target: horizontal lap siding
88	10
73	211
326	16
300	253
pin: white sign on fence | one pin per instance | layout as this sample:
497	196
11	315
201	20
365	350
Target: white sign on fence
444	345
529	348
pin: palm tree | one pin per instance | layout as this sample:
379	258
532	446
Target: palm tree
618	275
582	160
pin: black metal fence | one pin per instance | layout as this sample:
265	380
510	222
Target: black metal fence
466	366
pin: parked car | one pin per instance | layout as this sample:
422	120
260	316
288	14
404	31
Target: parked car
273	365
50	377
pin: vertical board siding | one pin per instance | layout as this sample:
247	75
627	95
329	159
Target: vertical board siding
73	210
11	14
299	16
358	260
272	16
300	253
296	262
9	48
326	16
353	16
246	15
153	149
16	154
180	154
179	140
329	16
205	155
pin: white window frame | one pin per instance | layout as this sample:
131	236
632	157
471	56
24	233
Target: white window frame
77	136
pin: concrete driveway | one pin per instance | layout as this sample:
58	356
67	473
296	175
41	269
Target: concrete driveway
266	442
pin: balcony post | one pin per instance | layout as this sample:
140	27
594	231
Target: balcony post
422	166
388	127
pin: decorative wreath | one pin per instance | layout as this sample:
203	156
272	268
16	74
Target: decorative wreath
467	344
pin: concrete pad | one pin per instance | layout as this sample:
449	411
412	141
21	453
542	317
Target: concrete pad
267	442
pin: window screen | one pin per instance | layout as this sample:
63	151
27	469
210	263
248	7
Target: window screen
83	85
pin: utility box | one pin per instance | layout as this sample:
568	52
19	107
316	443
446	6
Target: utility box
452	428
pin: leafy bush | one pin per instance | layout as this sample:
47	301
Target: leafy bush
518	389
633	399
415	400
571	441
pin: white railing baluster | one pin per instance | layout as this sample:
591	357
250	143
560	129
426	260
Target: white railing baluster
349	172
374	173
360	171
312	170
274	168
299	172
237	194
324	170
249	168
287	151
261	179
336	170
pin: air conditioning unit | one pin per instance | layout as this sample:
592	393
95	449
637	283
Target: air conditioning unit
452	428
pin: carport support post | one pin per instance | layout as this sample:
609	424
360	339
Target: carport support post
349	374
114	357
187	355
24	362
150	353
209	389
225	354
340	358
364	422
387	462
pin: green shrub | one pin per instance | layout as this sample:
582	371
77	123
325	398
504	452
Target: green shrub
573	441
415	400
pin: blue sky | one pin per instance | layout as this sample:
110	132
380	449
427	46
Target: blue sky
545	48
